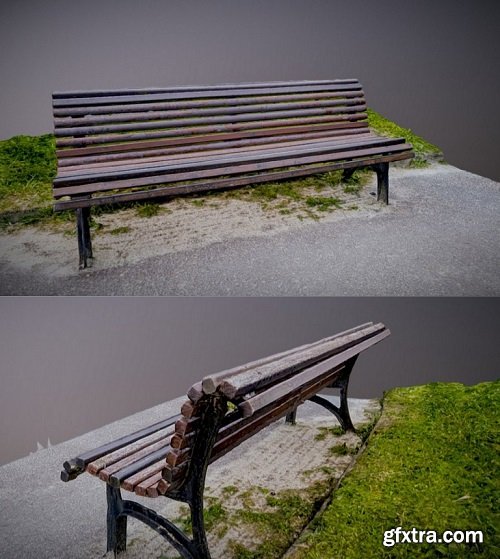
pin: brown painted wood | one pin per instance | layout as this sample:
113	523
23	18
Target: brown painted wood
205	129
195	392
163	446
233	120
143	476
281	390
203	186
83	459
149	487
210	383
144	116
76	112
207	154
189	409
270	373
272	163
101	160
213	92
201	162
224	86
131	449
208	138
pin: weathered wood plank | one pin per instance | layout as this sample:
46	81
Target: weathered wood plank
260	377
281	390
234	182
104	461
211	382
221	164
235	110
227	92
143	476
83	459
162	446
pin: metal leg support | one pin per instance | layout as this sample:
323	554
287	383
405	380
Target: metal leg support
341	412
116	521
291	417
382	170
347	174
83	233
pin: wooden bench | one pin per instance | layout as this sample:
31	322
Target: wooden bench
170	458
137	144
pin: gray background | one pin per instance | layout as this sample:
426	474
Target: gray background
69	365
432	66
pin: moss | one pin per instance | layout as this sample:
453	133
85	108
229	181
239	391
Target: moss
432	463
342	450
147	210
325	431
120	230
385	127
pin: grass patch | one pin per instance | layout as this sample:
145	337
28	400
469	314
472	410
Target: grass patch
342	450
120	230
325	431
286	514
421	147
147	210
431	463
28	165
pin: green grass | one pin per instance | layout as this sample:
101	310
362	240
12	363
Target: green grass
28	165
431	463
285	515
421	147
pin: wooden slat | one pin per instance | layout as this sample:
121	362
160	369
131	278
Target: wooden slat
201	162
211	382
260	377
330	155
143	476
251	425
277	391
103	462
223	86
83	459
206	129
197	94
88	161
116	479
185	122
234	182
161	446
210	138
121	117
195	392
149	487
192	156
225	156
344	96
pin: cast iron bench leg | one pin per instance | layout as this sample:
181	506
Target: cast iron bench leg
83	233
116	521
291	417
382	170
347	174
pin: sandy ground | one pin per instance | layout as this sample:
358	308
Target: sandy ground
181	225
43	518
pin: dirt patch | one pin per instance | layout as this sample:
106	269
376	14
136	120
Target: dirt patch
123	237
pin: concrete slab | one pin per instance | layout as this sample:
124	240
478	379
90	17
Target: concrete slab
43	518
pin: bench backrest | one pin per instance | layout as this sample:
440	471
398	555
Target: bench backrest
97	127
260	393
